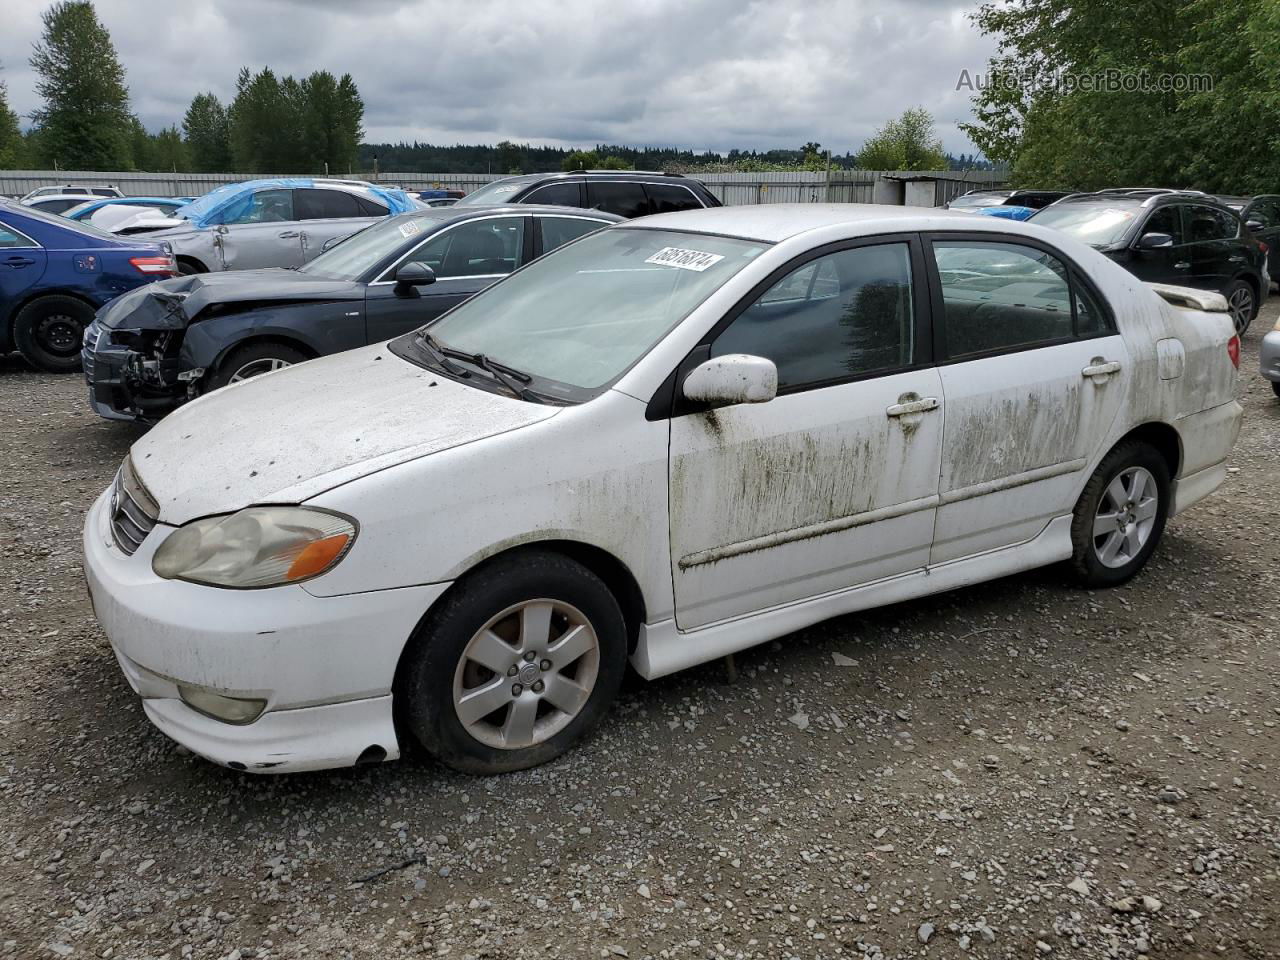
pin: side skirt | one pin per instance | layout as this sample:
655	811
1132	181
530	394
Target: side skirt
663	649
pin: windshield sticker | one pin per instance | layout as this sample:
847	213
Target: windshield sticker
409	228
685	259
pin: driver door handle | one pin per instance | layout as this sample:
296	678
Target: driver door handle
288	235
16	262
923	405
1182	265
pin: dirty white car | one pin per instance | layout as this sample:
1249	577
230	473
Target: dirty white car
665	442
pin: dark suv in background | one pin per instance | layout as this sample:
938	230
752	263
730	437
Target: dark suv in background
626	193
1261	215
1183	238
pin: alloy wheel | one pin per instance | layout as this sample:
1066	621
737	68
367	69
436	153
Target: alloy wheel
1241	306
256	368
526	674
1126	516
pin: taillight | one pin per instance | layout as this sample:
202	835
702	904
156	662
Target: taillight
1264	247
1233	351
155	266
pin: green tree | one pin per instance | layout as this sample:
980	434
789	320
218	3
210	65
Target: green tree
1190	93
207	129
139	146
255	120
581	160
332	113
907	143
169	151
11	145
85	121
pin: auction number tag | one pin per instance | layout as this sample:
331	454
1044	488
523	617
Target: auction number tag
685	259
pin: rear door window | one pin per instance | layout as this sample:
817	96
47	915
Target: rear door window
312	204
670	198
557	231
101	193
11	238
368	207
623	198
1210	223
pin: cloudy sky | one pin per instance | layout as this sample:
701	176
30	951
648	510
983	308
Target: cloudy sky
704	74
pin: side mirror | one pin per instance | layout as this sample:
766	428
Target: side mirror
732	379
1154	241
414	274
1255	225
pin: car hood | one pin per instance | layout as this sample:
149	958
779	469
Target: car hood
288	436
172	304
158	222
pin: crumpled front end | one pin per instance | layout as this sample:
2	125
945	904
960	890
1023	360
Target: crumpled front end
131	356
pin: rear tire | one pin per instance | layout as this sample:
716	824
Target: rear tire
1243	302
554	644
254	359
1120	515
49	332
1275	387
188	268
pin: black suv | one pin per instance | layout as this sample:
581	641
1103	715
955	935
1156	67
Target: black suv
1261	215
1185	238
626	193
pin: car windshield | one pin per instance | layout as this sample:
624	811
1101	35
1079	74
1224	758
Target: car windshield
578	318
361	252
498	192
979	200
1101	223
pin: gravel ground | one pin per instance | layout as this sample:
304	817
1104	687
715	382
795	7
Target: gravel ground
1018	769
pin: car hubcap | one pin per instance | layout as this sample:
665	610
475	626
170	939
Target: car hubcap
60	334
1126	516
526	674
1241	304
257	367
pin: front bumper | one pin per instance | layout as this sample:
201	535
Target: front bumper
1270	356
324	665
104	365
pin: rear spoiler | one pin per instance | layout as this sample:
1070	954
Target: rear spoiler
1191	299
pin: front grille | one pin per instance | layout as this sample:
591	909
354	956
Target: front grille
133	510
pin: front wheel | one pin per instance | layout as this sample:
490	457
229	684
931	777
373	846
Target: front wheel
1120	515
49	332
522	659
1242	304
253	360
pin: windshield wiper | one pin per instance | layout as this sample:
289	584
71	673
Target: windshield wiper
439	354
511	378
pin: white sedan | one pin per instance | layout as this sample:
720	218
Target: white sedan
670	440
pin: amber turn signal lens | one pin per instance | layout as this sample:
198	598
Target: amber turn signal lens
316	557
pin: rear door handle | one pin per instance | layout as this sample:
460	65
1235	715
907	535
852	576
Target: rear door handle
288	235
1182	265
923	405
1101	369
1237	259
16	262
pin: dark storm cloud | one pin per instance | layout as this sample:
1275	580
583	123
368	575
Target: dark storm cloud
710	73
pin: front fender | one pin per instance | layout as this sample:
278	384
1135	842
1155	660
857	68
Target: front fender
318	328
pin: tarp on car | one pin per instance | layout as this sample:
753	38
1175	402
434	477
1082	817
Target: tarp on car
232	200
1006	212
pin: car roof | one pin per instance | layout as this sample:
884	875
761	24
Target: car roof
61	196
447	214
646	175
775	222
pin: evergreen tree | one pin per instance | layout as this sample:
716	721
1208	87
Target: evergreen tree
208	133
11	146
85	121
169	151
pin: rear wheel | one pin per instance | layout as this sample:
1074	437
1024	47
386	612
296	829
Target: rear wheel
188	268
1120	515
521	660
49	332
1275	387
253	360
1242	302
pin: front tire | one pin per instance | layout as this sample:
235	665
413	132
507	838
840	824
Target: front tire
252	360
49	332
1120	515
521	660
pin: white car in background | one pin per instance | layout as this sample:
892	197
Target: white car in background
667	441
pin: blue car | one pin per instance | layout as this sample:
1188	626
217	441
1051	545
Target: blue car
55	274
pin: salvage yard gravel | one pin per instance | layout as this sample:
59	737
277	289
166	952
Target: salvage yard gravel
1018	769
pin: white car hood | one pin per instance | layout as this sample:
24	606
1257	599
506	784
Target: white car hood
287	436
153	220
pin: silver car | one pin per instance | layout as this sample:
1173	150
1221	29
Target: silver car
269	223
1270	367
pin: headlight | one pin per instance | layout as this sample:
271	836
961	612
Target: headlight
257	547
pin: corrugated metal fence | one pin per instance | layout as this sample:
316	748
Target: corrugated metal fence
843	186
